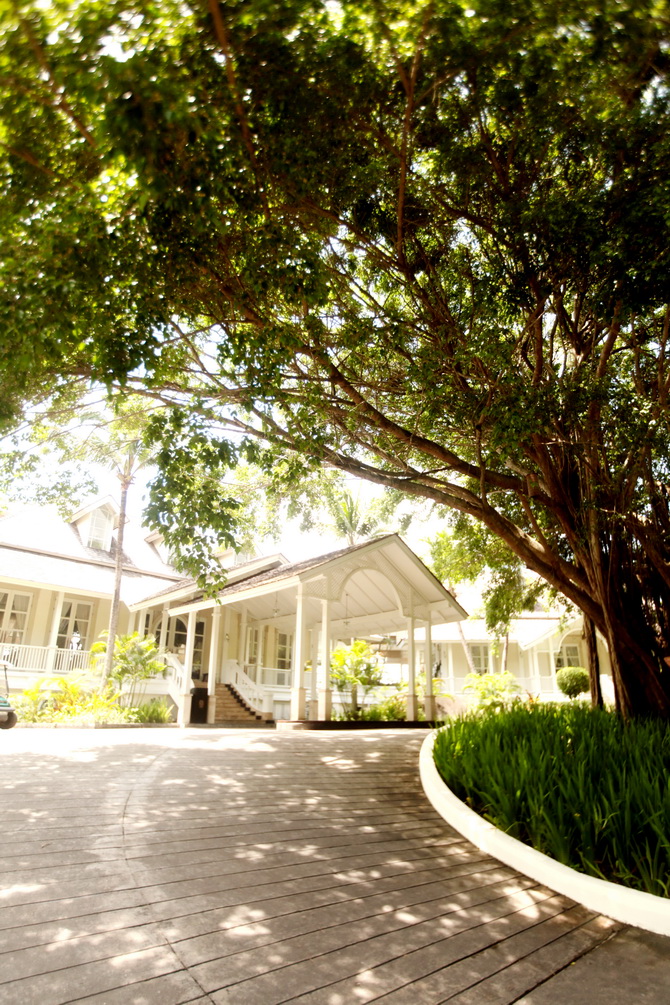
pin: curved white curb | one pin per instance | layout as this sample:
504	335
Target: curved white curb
632	907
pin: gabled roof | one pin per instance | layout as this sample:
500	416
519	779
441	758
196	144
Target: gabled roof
40	549
374	586
101	502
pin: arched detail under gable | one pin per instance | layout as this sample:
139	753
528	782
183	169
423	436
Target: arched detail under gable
358	579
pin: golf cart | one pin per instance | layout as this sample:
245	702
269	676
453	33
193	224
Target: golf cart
8	716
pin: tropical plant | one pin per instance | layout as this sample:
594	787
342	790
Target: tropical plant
572	681
356	669
493	690
32	704
76	698
157	710
136	659
392	706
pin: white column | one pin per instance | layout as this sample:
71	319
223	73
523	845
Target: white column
213	664
185	710
258	677
552	666
325	696
268	689
536	670
429	700
450	668
162	638
55	625
242	640
225	655
314	660
298	668
411	671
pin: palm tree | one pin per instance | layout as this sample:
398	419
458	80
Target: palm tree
110	436
350	520
117	444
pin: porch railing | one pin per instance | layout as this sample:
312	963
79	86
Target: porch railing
273	676
45	659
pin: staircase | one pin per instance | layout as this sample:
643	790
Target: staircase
232	710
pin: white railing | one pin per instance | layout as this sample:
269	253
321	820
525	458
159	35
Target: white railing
46	659
253	693
178	683
273	676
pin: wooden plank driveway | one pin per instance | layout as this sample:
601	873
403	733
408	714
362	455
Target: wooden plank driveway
255	867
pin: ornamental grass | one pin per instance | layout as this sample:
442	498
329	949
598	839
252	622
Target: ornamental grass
576	783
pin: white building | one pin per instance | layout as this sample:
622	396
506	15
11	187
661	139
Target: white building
266	638
537	646
56	585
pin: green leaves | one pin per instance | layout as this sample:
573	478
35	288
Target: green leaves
355	668
576	783
424	244
188	501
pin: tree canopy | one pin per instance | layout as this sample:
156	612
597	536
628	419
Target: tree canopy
425	243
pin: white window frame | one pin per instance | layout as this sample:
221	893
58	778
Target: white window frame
480	654
284	650
175	639
73	620
568	656
253	646
100	527
10	634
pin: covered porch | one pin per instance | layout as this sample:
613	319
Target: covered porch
270	632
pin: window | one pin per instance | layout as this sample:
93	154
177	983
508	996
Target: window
284	645
568	656
252	645
14	608
479	654
175	641
100	530
75	624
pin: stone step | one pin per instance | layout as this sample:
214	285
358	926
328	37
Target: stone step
230	707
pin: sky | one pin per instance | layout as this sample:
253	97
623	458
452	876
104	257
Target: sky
296	544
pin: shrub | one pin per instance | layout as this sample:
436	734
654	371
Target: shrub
32	704
390	708
493	690
156	710
572	681
74	698
575	782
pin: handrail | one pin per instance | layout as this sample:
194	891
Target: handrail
251	692
178	683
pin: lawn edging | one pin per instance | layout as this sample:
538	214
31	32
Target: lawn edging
631	907
342	724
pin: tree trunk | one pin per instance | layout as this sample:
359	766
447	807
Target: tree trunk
466	648
116	596
594	663
639	688
633	601
505	653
